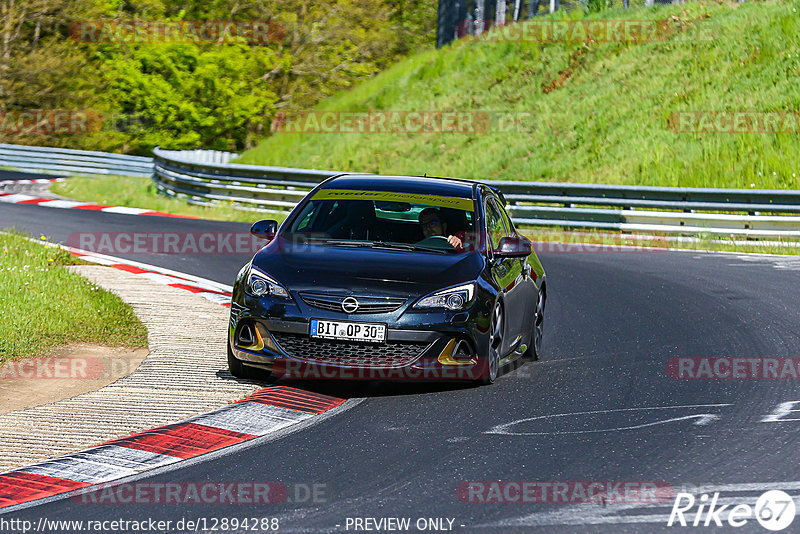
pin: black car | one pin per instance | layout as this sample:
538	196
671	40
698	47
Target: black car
389	277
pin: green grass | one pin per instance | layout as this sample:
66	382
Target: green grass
142	193
44	306
606	120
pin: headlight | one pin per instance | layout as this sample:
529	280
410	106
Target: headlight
453	298
260	284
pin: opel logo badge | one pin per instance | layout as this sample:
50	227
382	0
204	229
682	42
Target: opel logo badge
350	305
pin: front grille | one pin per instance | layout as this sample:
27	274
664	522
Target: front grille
348	354
365	304
325	305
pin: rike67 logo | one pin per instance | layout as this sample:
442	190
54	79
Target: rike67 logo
774	510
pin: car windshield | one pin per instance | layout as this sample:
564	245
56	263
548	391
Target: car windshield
405	221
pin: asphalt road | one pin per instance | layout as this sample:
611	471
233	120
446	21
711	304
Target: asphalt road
19	175
613	321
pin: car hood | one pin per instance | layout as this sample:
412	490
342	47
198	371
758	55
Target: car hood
380	272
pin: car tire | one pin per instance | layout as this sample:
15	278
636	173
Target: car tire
236	367
537	328
495	341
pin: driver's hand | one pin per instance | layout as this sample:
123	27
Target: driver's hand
454	242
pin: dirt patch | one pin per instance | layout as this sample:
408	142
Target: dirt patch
575	62
70	371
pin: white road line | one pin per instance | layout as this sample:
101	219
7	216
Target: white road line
703	419
788	263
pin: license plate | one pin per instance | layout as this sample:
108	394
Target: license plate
366	332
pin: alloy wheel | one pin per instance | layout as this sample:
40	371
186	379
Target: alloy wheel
538	326
495	341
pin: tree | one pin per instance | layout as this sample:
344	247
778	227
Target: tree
39	68
500	13
208	94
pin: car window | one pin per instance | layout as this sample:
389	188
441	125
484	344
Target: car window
408	213
386	217
318	215
510	231
495	228
304	219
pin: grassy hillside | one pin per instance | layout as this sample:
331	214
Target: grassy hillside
600	112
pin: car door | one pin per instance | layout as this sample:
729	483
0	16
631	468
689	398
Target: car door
507	273
525	286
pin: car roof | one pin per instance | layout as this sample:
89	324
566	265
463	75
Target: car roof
449	187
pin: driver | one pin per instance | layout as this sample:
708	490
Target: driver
432	223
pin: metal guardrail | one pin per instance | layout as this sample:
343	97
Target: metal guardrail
245	186
206	177
201	156
670	210
64	161
676	210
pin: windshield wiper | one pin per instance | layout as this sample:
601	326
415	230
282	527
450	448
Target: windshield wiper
379	244
345	242
405	246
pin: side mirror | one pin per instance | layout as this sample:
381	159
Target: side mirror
265	229
513	247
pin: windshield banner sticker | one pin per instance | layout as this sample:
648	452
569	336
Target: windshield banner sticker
465	204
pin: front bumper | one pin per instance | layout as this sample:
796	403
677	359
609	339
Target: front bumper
287	350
